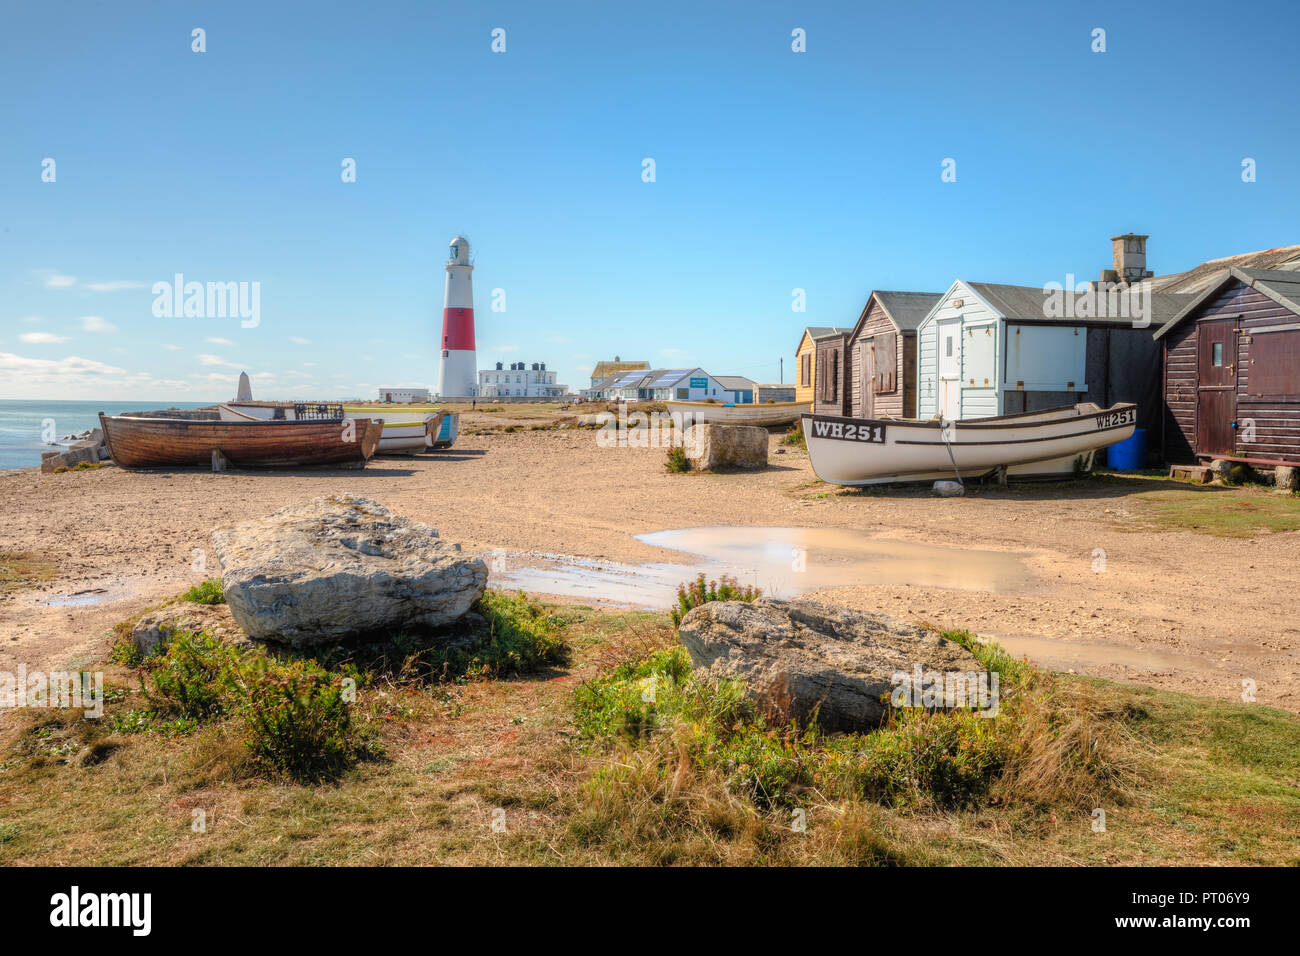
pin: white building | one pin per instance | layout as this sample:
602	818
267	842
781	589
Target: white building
519	380
658	385
403	395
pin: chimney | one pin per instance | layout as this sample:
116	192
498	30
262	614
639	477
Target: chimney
1129	257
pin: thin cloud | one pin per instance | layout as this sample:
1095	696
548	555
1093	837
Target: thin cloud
171	348
94	323
56	280
42	338
114	285
218	341
299	340
214	360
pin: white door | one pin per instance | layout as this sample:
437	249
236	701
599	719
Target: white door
950	369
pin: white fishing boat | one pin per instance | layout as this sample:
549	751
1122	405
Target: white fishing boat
868	451
448	429
405	432
755	413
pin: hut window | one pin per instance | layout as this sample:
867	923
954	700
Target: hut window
1274	367
1218	354
947	346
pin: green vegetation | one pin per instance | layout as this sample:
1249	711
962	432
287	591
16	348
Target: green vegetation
676	461
209	592
693	594
795	436
1047	744
299	720
196	676
1243	512
617	755
19	569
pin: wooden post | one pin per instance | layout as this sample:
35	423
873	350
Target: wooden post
218	461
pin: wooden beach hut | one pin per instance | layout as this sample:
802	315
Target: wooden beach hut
805	361
880	355
987	349
1232	370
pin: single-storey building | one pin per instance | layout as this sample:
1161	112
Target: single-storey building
738	390
880	355
987	349
680	384
805	361
776	393
389	393
1232	370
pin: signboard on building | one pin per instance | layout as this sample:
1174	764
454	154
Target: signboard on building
699	383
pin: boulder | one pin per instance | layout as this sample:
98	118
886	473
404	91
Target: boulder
1220	468
797	657
711	447
69	459
156	626
1287	477
949	489
340	566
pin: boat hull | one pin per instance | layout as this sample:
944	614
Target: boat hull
862	451
157	442
763	414
405	432
448	432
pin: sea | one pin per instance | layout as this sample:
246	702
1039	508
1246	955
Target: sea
25	426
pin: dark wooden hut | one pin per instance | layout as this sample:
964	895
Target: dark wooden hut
1232	371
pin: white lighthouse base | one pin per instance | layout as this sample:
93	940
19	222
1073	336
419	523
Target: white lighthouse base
457	374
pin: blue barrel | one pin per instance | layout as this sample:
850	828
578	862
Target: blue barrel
1129	454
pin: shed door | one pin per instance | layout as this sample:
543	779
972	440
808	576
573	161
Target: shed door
950	369
1216	387
866	376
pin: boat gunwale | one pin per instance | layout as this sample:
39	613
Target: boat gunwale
998	421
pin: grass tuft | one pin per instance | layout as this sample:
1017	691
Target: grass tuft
209	592
701	591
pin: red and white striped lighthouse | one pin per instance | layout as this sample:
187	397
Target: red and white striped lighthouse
457	374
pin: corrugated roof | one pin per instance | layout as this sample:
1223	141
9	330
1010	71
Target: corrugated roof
907	309
816	332
1038	305
733	382
1280	285
1196	280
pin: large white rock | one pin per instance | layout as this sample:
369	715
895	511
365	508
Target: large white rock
713	446
339	566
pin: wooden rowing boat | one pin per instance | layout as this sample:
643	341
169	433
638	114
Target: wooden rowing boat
402	435
137	442
867	451
756	413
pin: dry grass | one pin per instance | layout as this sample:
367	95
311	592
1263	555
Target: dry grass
20	569
1181	780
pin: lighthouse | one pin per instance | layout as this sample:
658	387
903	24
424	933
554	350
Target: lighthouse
456	371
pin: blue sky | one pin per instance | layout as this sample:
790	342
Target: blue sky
775	170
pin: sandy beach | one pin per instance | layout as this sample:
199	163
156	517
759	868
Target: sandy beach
1168	609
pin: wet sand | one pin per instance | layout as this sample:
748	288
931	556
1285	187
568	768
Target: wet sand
1180	610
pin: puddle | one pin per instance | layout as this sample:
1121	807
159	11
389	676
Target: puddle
1064	655
82	598
769	558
